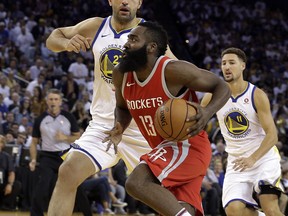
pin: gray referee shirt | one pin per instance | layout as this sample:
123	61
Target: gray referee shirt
46	126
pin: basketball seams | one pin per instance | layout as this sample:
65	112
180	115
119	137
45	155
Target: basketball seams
158	121
183	122
170	119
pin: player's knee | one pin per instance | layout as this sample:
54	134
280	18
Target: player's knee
272	211
131	186
66	174
134	184
233	209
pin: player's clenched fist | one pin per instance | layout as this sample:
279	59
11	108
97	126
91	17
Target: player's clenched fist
78	43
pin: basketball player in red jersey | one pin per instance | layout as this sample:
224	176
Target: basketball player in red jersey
169	178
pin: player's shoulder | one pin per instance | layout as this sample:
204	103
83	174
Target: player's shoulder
260	98
92	23
259	93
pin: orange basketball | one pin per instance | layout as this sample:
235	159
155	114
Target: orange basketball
170	119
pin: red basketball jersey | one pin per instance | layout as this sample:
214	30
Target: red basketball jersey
143	98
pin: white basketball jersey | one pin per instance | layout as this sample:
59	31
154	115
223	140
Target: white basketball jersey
239	123
107	49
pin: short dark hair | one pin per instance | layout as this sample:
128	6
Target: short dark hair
232	50
156	33
54	91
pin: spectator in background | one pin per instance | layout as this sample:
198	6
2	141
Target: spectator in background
4	88
99	190
70	89
119	172
15	128
23	125
3	107
3	12
30	21
47	55
40	30
220	174
9	187
8	121
62	82
4	33
25	43
11	82
86	101
36	68
37	82
10	138
212	193
219	171
37	102
79	70
13	64
81	114
15	105
58	71
24	110
117	189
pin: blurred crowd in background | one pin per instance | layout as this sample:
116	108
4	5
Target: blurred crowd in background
201	30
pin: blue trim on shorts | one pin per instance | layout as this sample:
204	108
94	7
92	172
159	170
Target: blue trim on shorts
75	146
244	201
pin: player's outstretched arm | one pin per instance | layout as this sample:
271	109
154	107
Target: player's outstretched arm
74	38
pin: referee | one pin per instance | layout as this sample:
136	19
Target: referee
54	129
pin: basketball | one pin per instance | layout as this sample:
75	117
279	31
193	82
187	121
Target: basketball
170	119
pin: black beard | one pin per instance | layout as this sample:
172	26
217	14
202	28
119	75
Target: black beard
133	60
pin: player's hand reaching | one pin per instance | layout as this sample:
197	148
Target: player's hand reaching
114	136
201	119
243	163
78	43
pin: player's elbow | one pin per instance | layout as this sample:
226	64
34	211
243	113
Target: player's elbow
52	42
49	42
273	136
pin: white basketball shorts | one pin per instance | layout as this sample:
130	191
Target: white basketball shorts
240	185
129	149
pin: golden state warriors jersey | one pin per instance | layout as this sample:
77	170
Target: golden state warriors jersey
107	49
239	123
